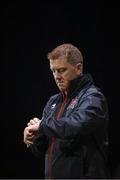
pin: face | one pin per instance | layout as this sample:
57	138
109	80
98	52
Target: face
64	72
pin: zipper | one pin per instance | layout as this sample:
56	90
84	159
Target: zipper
54	140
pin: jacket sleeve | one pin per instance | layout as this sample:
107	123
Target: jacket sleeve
40	144
87	117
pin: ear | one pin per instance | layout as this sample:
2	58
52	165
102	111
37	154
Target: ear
79	68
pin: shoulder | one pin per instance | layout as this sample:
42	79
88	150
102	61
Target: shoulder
52	99
93	91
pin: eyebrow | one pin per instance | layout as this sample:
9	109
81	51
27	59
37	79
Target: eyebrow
58	68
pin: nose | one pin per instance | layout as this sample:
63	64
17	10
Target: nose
57	75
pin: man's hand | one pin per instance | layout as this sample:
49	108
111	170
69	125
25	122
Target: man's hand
31	132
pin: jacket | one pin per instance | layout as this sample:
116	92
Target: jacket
73	133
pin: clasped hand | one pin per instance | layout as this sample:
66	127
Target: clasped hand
31	132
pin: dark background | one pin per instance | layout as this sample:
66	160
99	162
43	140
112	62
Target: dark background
30	30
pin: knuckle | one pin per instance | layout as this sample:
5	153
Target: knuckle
31	121
36	119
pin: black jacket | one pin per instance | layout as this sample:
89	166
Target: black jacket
73	133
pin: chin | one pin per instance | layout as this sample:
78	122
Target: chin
62	89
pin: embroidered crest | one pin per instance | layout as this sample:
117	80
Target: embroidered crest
73	103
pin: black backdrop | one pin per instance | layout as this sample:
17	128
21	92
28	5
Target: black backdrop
30	30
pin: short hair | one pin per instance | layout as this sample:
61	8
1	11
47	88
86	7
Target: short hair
68	51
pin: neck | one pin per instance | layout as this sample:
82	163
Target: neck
65	93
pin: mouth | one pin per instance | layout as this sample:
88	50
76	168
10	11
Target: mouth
60	83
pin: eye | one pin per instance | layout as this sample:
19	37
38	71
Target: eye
62	70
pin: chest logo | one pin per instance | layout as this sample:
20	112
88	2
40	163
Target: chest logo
73	103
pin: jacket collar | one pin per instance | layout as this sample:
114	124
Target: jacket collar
78	84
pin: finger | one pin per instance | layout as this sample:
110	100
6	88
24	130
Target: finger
27	131
36	119
30	137
28	142
32	122
28	124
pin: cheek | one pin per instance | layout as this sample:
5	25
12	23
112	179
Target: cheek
66	77
70	75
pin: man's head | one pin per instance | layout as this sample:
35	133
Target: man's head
66	63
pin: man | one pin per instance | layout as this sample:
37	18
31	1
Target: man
73	131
